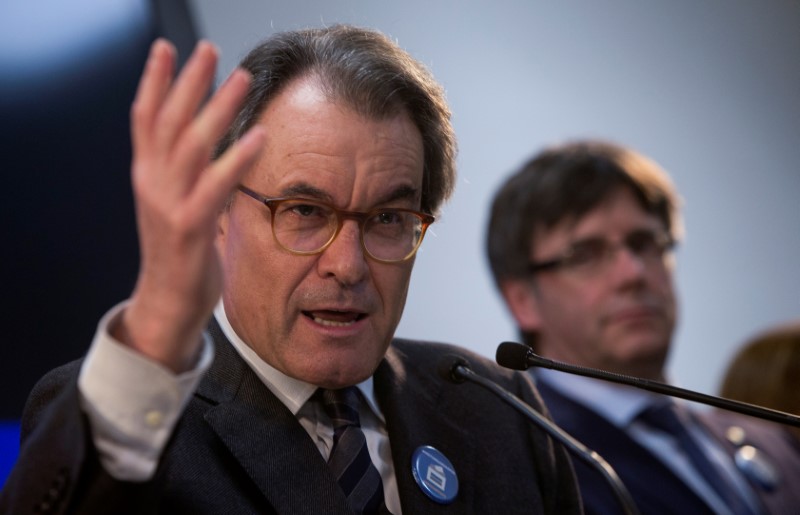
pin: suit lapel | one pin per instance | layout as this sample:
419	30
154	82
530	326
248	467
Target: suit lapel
265	438
417	407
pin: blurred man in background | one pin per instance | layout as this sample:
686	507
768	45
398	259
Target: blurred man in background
580	245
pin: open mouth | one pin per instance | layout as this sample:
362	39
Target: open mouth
332	318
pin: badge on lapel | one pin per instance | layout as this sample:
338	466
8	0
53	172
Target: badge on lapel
752	463
434	474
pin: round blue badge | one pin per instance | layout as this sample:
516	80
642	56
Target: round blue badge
434	474
757	467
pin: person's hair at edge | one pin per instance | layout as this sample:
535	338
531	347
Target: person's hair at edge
365	71
766	371
563	183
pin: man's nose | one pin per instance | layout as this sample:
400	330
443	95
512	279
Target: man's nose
344	259
627	264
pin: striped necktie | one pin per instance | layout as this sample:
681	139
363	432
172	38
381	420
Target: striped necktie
668	419
349	459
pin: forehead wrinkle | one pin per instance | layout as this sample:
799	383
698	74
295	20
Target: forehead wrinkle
311	153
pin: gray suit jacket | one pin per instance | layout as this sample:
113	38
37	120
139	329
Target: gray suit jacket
238	449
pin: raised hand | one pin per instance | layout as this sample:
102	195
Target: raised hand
179	192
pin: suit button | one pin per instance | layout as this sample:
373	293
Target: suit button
60	481
54	494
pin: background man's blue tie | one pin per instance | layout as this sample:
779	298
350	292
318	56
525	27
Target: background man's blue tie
349	459
668	419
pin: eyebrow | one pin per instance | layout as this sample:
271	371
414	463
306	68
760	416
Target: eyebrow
303	189
404	192
639	230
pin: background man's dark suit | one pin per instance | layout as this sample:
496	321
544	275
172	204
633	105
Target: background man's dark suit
237	449
649	481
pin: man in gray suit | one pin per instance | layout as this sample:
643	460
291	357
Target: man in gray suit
580	243
297	242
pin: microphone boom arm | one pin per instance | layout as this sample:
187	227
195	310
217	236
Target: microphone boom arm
655	386
462	372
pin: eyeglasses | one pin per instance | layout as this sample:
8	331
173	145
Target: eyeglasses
306	227
593	255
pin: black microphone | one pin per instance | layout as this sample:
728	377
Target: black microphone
457	370
518	356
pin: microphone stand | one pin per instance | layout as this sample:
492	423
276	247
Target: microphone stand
460	372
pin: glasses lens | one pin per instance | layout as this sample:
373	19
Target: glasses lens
588	254
647	244
392	235
302	225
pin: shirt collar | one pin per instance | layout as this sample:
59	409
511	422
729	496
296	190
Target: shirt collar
619	404
292	392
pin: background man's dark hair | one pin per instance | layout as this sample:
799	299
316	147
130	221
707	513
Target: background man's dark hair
563	183
367	72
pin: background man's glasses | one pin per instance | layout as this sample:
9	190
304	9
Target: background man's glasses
594	255
305	227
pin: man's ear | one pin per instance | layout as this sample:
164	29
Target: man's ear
522	302
223	218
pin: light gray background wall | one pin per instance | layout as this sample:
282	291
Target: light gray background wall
710	90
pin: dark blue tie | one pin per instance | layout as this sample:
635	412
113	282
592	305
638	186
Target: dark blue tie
349	459
670	419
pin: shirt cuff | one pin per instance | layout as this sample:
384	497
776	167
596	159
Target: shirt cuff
132	402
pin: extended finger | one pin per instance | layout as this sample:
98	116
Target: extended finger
218	181
185	96
197	142
152	89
